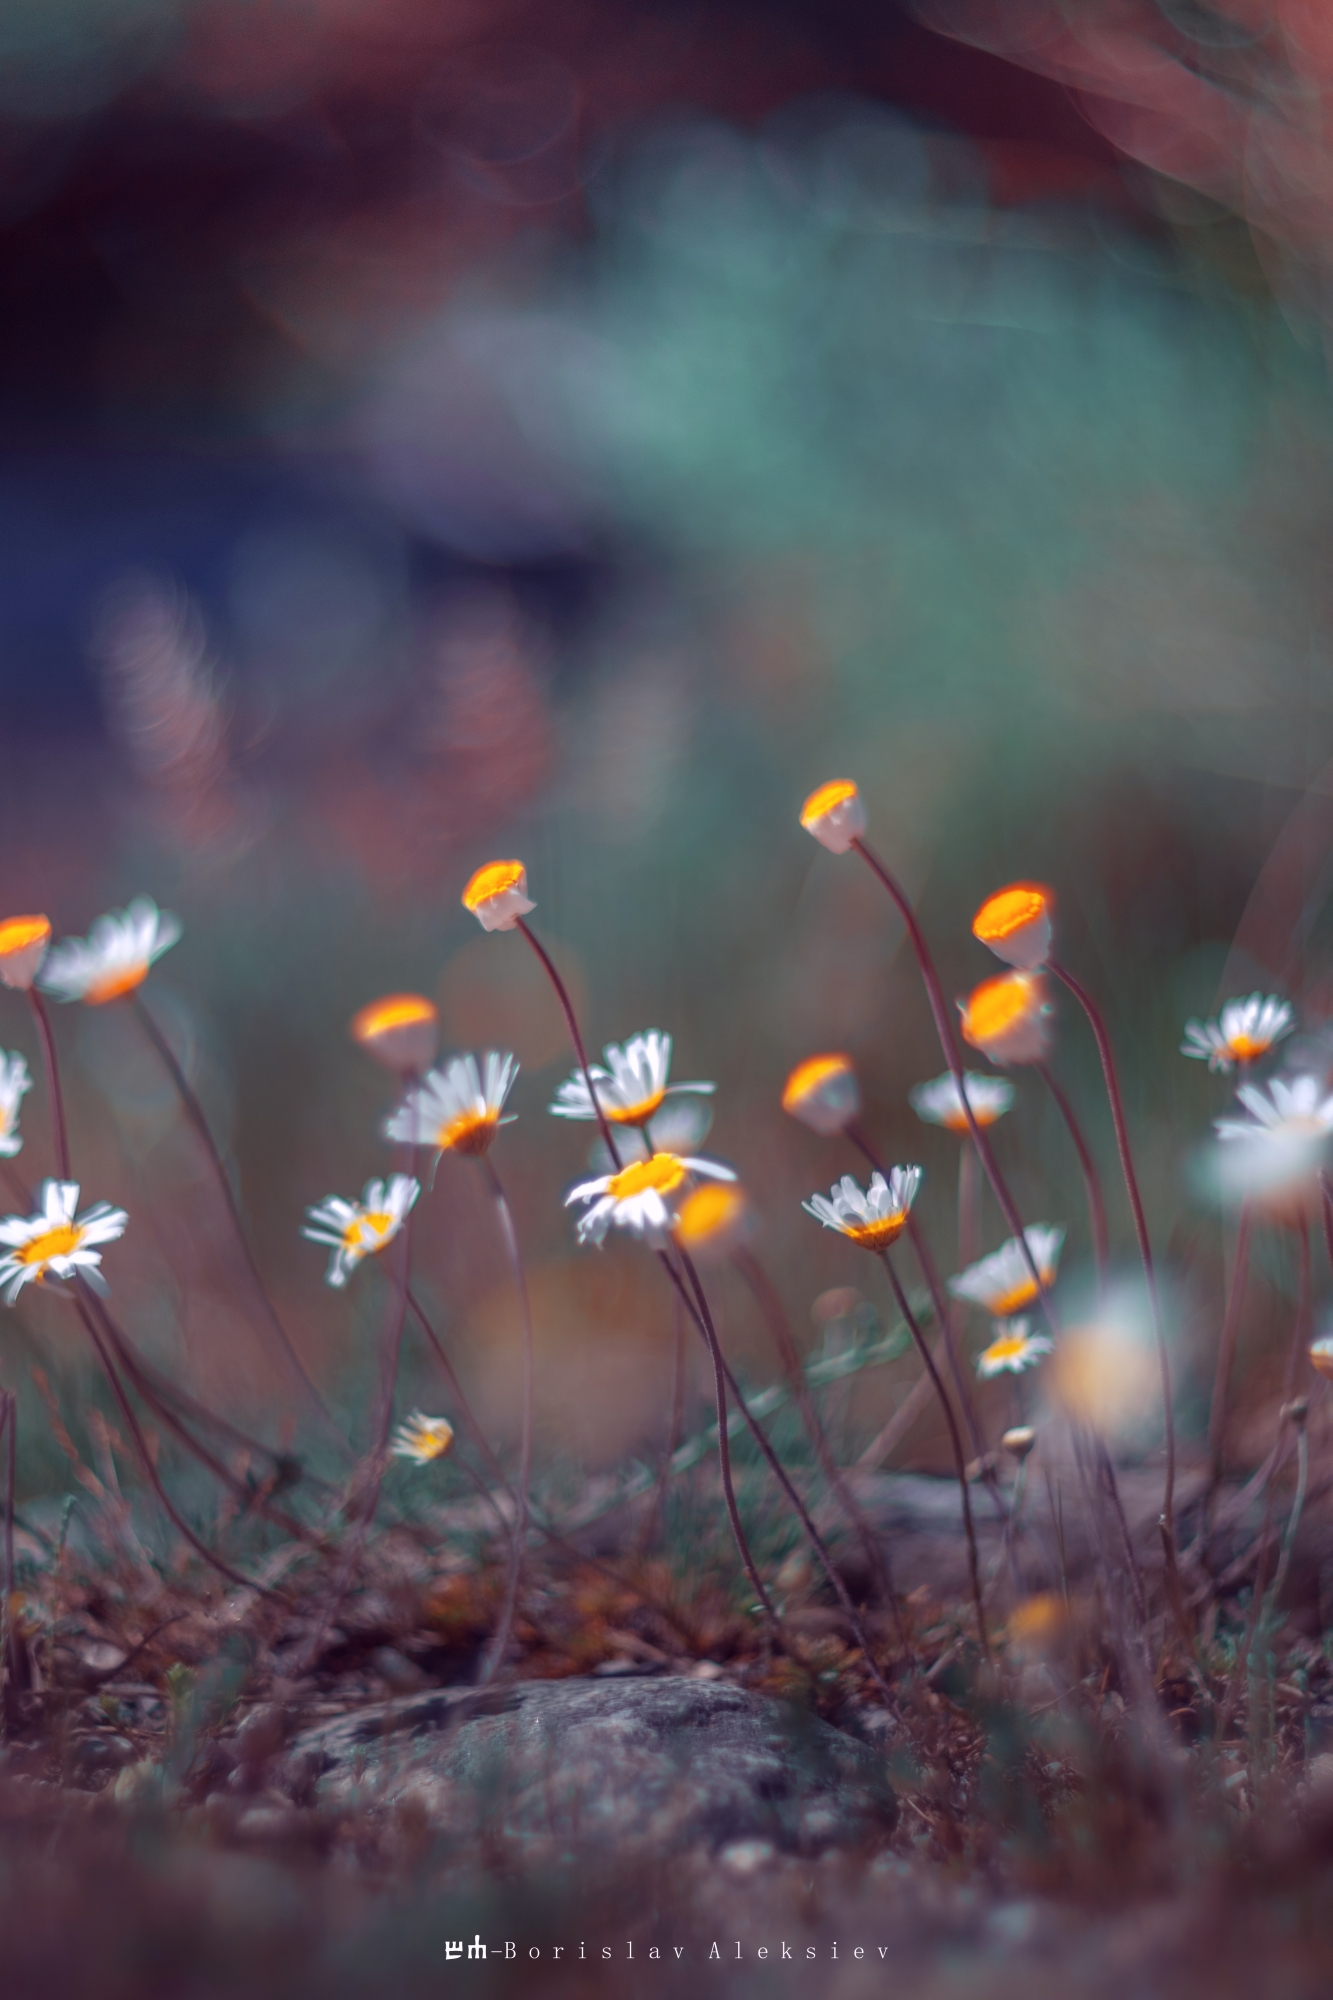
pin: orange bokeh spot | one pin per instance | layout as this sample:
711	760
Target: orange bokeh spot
810	1075
996	1005
17	933
836	793
707	1213
396	1010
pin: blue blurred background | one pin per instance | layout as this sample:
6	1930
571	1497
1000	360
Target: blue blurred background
436	432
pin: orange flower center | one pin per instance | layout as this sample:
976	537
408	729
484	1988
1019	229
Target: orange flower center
996	1006
707	1213
470	1132
824	801
1245	1048
367	1232
396	1010
809	1077
1009	910
1007	1348
1003	1304
876	1235
17	933
493	880
52	1243
635	1114
116	984
661	1175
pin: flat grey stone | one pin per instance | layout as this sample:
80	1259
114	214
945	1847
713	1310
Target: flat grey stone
672	1762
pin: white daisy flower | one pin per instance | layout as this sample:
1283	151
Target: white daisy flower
1008	1018
497	895
835	815
875	1218
1002	1282
14	1084
114	957
1014	1347
1016	924
56	1240
940	1102
630	1088
357	1229
402	1030
422	1438
1246	1031
642	1198
823	1093
1321	1354
456	1109
23	943
681	1126
1281	1144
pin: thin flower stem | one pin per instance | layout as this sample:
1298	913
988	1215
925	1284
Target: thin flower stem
766	1297
194	1111
1226	1346
704	1324
779	1472
955	1440
462	1404
1326	1191
1103	1040
572	1023
938	1299
13	1652
969	1206
1300	1328
944	1029
1092	1180
54	1095
653	1517
145	1457
500	1646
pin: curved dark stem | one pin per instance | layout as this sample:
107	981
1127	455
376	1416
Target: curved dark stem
770	1305
1226	1346
13	1645
1300	1331
1092	1180
500	1645
944	1029
465	1409
703	1322
1326	1191
194	1111
703	1314
572	1023
1103	1040
960	1465
145	1457
653	1516
54	1096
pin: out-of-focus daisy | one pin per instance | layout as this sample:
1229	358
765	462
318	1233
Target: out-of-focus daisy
940	1102
823	1093
873	1218
1002	1282
1013	1348
681	1126
713	1220
1016	924
456	1109
1245	1031
1105	1374
642	1198
115	956
23	942
498	896
631	1086
1276	1152
835	815
1321	1354
14	1083
422	1438
402	1030
1020	1440
56	1241
357	1229
1008	1018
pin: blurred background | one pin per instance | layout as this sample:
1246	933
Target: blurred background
433	432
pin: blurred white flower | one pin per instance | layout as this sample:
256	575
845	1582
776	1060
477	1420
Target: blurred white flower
422	1438
940	1101
1275	1153
1016	924
456	1109
1246	1031
15	1082
402	1030
23	943
835	815
631	1086
642	1198
1008	1018
497	895
1014	1347
357	1229
873	1218
823	1093
1002	1282
114	957
56	1240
